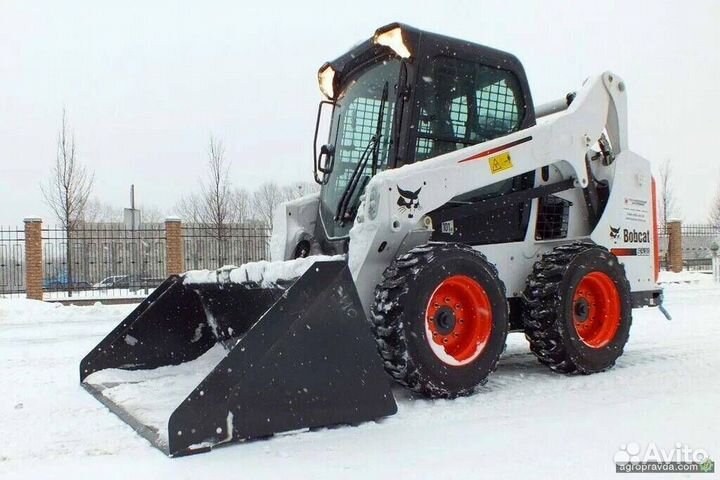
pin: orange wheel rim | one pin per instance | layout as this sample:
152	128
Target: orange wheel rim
458	320
596	309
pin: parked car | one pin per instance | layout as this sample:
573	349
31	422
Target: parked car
63	284
115	281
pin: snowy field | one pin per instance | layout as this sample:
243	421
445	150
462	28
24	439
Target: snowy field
527	422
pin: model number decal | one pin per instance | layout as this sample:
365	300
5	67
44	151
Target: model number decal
500	163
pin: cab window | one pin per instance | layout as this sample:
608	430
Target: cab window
463	103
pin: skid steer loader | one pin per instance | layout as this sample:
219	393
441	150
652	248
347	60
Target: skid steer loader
451	211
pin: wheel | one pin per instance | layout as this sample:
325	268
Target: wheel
578	309
440	319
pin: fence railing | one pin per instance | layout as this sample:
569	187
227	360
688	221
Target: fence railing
208	247
12	261
691	264
109	260
95	260
693	230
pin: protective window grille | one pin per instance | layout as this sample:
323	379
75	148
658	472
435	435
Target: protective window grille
458	122
492	94
497	110
459	116
358	128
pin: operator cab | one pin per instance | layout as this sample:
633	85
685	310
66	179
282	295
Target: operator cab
407	95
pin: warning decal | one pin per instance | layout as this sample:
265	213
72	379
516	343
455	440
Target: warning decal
500	163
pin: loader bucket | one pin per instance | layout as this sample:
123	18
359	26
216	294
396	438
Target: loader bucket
194	366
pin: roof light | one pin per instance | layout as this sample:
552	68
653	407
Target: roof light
393	39
326	80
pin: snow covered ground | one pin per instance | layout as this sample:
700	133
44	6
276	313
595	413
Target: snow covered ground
527	422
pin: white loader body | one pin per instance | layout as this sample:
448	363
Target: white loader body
560	141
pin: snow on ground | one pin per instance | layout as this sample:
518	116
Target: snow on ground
527	422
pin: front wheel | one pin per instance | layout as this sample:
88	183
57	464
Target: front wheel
441	319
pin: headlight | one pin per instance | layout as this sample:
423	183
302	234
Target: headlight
326	79
393	39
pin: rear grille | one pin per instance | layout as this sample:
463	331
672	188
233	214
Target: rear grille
552	218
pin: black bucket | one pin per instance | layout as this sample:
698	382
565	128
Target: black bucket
194	366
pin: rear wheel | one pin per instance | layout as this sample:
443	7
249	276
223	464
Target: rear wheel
441	319
578	309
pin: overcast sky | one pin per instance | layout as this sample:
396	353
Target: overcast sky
145	83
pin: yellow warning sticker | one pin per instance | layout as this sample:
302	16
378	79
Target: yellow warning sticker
500	163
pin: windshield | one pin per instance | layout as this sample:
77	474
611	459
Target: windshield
354	125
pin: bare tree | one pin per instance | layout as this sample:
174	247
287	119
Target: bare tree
151	214
667	198
218	204
269	195
216	191
190	208
97	211
242	204
67	190
264	200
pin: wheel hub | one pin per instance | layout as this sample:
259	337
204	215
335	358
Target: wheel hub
596	309
444	320
458	320
582	310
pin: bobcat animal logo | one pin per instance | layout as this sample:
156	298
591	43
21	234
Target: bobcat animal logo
408	201
614	232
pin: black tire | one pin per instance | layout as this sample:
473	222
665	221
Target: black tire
401	331
552	310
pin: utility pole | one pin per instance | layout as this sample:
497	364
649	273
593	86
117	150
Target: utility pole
132	235
133	221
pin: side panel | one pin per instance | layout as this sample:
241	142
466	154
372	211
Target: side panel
626	227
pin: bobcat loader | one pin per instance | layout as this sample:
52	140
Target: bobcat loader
452	211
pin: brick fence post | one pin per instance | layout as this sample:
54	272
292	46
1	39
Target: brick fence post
174	255
33	259
675	253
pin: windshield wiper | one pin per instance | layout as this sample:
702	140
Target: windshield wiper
378	128
341	214
352	183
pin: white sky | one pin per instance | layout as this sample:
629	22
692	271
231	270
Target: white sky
146	83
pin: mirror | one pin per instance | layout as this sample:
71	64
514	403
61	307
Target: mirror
326	160
323	161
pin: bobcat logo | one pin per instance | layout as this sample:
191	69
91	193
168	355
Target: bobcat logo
408	201
614	232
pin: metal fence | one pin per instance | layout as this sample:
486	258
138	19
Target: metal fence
12	261
690	264
109	260
97	260
207	247
692	230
